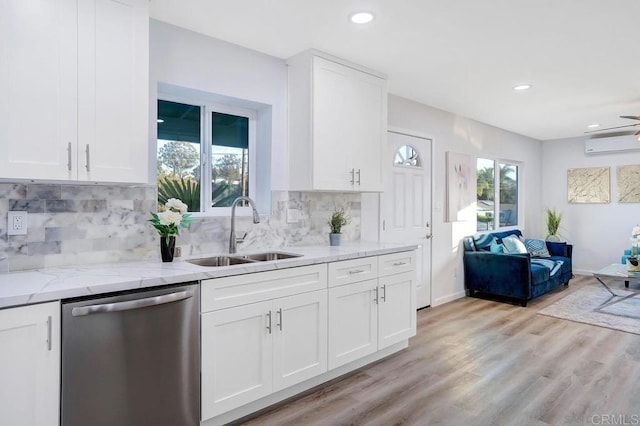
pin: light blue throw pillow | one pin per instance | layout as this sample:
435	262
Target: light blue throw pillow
536	247
495	247
513	245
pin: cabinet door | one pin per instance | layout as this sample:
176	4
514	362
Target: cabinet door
113	90
353	319
300	338
38	83
30	365
347	120
397	308
237	357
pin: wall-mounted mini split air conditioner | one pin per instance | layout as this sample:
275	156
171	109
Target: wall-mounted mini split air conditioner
611	144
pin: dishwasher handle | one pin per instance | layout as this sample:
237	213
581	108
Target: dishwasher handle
131	304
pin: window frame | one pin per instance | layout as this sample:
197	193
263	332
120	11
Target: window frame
496	193
206	185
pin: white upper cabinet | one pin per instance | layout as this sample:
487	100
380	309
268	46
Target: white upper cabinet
113	90
337	124
38	88
74	90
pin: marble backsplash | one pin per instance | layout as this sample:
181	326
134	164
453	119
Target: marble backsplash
92	224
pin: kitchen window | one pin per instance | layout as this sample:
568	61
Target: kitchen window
205	154
498	188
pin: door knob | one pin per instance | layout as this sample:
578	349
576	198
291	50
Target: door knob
428	236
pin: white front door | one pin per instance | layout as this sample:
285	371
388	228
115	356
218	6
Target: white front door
406	204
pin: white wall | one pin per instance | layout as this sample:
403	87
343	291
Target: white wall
599	232
458	134
187	59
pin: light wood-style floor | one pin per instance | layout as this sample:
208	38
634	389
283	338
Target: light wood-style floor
478	362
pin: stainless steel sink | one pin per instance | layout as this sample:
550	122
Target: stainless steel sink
269	255
220	261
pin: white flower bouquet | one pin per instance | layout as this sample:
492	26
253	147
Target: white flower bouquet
168	222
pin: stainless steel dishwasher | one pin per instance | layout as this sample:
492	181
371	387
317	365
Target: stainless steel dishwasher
132	359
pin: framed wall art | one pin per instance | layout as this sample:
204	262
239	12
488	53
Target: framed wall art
461	187
628	178
589	185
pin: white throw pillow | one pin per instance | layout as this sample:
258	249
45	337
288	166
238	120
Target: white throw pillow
513	245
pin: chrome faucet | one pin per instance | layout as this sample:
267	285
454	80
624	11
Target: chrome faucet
233	241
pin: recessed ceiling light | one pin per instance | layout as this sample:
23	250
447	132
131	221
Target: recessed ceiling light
522	87
160	120
593	126
361	17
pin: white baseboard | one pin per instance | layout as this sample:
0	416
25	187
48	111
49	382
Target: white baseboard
448	298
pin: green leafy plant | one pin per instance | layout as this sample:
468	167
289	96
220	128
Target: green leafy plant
553	221
188	190
337	220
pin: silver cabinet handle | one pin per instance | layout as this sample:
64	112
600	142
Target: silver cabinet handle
358	173
88	158
399	263
69	156
384	293
375	299
353	176
131	304
269	322
49	336
355	271
279	319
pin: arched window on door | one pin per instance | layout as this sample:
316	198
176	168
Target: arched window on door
408	156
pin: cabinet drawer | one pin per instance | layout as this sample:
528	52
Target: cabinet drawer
352	271
396	263
219	293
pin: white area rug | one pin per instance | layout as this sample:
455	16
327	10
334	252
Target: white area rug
593	304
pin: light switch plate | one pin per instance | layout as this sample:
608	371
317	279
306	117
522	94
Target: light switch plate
17	222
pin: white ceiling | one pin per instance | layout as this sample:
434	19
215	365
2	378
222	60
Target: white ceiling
463	56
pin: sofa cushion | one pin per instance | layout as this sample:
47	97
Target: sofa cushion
539	274
513	245
536	247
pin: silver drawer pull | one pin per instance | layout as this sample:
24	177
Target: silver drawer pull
131	304
375	299
69	156
279	319
88	166
399	263
49	334
356	271
269	322
384	293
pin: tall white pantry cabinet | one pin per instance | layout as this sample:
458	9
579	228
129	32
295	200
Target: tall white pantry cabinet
30	365
74	90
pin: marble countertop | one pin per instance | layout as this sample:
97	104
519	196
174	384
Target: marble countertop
43	285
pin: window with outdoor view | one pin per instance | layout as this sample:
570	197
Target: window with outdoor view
203	154
497	191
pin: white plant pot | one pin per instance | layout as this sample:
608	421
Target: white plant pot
334	239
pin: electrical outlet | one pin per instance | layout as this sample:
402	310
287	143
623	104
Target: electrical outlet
17	223
293	216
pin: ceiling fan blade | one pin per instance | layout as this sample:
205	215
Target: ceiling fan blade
612	128
631	117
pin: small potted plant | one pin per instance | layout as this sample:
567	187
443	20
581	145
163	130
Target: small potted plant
338	219
632	260
167	224
553	223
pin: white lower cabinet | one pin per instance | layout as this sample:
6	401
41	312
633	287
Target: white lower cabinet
264	334
370	315
353	322
30	365
253	350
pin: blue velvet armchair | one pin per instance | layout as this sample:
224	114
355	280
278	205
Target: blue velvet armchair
513	277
